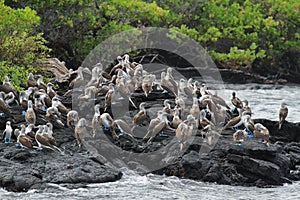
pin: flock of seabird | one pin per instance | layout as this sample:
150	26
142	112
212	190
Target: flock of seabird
195	110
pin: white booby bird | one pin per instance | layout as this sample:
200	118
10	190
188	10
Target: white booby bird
80	131
6	135
211	135
30	115
204	90
185	130
108	124
261	131
72	118
40	83
283	112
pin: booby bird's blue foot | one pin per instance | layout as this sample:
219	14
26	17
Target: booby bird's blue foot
250	135
105	128
77	90
163	135
44	108
18	145
22	149
164	92
121	134
235	128
23	112
39	148
7	142
92	99
1	114
238	144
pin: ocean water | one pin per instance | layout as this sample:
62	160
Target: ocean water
265	102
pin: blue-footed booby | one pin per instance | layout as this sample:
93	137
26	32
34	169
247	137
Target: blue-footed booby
283	112
6	135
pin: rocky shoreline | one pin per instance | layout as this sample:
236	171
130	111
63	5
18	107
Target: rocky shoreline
250	164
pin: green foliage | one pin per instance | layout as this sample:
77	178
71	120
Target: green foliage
20	46
235	32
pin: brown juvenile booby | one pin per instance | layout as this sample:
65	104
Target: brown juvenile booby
6	135
29	131
141	116
30	115
3	105
176	118
54	116
72	118
31	82
23	140
203	120
147	85
109	97
59	105
117	66
95	120
195	110
167	85
124	128
80	131
50	91
185	130
236	101
238	136
44	142
261	131
283	112
156	125
10	98
169	77
8	87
